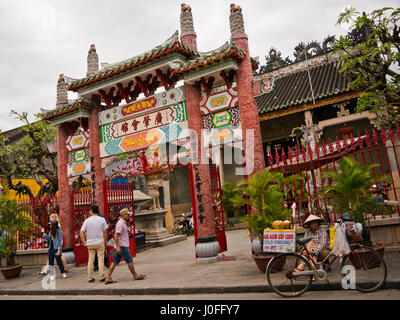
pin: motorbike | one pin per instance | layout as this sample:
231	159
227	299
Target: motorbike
184	225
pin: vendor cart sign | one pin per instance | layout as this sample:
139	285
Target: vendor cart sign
77	141
279	240
159	100
161	117
219	101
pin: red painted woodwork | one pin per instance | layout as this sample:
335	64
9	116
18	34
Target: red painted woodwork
95	139
203	196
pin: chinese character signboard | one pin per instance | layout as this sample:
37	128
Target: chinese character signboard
222	127
279	240
219	101
77	141
159	100
78	162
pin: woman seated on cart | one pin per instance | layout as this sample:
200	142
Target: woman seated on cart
318	247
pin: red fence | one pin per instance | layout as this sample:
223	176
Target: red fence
380	148
38	211
81	202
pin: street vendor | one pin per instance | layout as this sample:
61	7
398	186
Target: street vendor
318	247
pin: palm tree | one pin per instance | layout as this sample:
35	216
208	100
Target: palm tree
350	189
263	192
13	219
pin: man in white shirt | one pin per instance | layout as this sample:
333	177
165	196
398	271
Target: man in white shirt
94	236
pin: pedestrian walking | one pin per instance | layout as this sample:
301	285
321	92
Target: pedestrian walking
55	240
121	240
45	269
106	264
94	235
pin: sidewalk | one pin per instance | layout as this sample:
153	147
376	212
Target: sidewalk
173	270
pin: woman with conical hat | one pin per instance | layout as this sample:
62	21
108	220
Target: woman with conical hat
318	247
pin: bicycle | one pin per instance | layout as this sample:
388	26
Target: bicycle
368	264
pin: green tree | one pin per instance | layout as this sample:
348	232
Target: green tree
263	192
30	156
13	221
350	189
370	54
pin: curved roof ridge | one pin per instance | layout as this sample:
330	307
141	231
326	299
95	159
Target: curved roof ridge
211	52
130	63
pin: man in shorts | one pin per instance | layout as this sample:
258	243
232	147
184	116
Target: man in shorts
121	239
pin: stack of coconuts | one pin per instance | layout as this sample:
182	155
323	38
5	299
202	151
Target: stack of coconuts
278	224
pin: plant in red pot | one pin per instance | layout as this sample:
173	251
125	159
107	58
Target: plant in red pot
262	192
350	192
13	219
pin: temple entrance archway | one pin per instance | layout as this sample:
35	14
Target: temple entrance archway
149	215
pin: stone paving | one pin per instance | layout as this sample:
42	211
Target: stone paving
173	269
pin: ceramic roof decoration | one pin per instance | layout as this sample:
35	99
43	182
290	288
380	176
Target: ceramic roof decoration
294	88
228	50
67	109
172	44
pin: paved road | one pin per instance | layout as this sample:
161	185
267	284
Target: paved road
391	294
172	270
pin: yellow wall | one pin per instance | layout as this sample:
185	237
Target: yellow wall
31	183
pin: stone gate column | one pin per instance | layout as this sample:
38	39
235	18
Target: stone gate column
247	105
97	174
207	247
64	189
188	35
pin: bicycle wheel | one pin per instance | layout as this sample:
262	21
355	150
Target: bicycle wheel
282	278
369	267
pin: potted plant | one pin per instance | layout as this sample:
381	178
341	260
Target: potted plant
228	193
350	192
263	193
13	220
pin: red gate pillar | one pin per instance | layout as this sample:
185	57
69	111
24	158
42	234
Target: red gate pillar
97	174
64	189
247	106
207	247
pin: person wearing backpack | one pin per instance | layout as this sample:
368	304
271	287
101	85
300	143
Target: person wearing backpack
55	240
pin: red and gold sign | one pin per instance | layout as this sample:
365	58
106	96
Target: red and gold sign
140	140
139	106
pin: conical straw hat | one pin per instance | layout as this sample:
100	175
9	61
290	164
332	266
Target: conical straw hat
312	217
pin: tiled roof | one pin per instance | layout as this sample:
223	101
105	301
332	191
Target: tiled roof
228	50
173	44
294	88
69	108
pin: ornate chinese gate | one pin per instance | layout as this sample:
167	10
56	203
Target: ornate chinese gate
139	165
